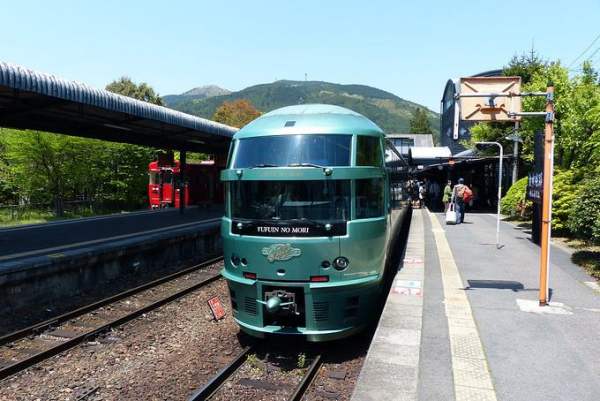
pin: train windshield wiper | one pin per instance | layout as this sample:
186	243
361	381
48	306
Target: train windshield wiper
263	165
304	165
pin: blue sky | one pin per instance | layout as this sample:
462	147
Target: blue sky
409	48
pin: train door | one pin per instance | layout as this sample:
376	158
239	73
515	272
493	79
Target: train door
166	188
154	189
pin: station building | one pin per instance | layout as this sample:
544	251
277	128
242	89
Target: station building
403	142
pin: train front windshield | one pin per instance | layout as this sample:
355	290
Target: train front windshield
291	200
290	150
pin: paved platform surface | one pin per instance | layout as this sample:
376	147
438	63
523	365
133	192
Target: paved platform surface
39	239
481	334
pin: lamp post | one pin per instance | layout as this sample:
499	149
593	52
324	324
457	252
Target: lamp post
499	188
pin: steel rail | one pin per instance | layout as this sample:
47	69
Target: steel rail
18	366
47	324
217	381
306	380
210	388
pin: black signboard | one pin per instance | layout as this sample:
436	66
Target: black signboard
535	184
288	228
535	187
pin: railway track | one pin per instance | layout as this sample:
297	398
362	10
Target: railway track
27	347
212	389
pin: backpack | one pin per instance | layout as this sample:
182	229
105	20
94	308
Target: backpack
467	194
460	191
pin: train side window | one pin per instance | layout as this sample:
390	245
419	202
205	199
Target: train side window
369	198
153	178
368	151
167	177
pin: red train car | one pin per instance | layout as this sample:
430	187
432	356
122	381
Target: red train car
202	186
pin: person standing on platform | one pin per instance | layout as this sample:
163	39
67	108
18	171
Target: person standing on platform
422	195
458	198
447	197
434	194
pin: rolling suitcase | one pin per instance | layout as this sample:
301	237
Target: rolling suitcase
451	215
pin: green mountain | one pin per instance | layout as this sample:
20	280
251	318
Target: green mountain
387	110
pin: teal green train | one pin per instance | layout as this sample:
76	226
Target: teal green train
308	223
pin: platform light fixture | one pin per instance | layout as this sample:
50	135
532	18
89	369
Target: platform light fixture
480	145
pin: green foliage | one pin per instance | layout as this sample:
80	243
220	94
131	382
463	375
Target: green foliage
419	124
514	203
490	132
301	363
257	367
526	66
565	193
577	125
576	200
143	91
43	168
584	221
13	216
388	111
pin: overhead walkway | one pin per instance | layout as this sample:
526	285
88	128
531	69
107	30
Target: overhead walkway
462	321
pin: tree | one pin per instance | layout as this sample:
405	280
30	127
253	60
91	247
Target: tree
575	99
525	66
125	166
236	113
577	138
125	86
490	132
419	123
44	167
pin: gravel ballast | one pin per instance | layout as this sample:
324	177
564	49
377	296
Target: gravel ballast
163	355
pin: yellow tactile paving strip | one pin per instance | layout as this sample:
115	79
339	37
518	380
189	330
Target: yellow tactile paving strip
472	379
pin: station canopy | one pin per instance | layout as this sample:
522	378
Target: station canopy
38	101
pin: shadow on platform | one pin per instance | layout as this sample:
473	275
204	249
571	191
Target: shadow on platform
514	286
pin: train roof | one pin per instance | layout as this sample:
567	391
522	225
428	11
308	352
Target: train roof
310	119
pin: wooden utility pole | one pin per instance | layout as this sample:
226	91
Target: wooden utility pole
515	172
547	196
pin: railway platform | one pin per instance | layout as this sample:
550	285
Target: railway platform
21	242
462	320
51	264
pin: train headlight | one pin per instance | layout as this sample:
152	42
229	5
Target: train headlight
340	263
235	260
